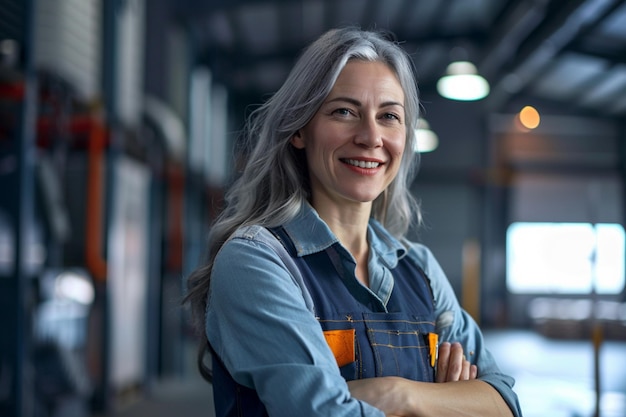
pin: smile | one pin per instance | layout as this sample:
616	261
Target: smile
362	164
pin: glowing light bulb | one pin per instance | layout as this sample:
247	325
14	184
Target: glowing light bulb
529	117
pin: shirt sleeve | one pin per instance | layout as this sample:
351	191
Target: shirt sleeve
259	325
455	325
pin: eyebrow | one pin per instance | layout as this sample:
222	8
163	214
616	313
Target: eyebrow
359	104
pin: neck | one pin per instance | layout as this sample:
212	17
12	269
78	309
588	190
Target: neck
349	224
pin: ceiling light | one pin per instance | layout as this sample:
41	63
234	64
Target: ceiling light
462	82
425	139
529	117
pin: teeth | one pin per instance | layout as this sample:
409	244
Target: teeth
362	164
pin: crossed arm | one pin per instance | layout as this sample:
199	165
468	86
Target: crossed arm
456	393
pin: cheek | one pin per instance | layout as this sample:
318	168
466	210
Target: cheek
398	147
397	153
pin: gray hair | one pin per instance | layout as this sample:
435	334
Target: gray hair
274	183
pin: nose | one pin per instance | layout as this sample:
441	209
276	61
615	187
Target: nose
369	133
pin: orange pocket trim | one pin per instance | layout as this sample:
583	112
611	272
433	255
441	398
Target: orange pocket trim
341	342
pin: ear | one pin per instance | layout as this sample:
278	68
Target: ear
297	140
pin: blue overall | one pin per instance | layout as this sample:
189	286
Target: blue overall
389	340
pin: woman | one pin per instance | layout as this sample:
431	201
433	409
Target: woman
317	305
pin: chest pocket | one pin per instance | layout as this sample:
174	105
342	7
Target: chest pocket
383	344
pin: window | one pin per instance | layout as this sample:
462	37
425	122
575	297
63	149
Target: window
565	258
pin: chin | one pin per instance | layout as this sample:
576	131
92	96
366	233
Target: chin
364	199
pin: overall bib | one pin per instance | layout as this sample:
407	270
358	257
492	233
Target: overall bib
367	338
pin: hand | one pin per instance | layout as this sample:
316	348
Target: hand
452	364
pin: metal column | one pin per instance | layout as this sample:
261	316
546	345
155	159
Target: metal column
17	156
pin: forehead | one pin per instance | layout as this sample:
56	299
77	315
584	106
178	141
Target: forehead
368	77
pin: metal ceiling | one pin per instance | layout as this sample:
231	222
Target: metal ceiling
571	53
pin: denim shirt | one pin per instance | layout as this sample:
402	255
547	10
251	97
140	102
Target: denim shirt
262	326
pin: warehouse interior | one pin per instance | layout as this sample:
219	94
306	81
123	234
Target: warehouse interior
119	124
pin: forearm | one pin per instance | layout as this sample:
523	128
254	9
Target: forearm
403	397
462	398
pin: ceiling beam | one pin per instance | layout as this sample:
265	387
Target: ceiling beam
204	7
515	23
561	27
612	55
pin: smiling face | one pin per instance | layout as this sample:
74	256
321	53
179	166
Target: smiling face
355	141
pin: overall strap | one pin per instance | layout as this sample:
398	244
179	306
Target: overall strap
278	240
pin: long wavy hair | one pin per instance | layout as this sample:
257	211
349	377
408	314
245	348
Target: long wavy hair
274	183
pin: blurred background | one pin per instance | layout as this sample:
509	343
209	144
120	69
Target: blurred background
118	125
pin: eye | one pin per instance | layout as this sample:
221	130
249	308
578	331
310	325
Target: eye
391	116
342	111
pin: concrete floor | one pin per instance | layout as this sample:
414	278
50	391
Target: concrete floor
190	397
554	378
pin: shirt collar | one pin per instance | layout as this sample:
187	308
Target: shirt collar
385	244
310	234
